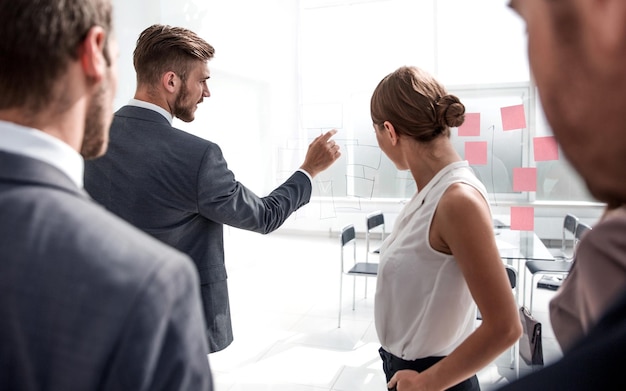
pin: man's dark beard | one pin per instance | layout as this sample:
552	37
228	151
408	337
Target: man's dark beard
182	112
96	132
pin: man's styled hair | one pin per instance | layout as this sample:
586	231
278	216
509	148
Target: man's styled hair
162	48
38	40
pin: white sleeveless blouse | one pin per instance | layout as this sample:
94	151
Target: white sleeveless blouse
423	306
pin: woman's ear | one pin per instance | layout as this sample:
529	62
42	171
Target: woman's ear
391	131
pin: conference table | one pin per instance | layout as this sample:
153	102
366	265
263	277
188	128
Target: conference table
521	245
517	247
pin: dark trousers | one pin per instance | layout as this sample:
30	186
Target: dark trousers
392	364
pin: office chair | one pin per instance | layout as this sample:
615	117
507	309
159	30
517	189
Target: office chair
581	229
357	269
544	267
374	234
558	267
566	252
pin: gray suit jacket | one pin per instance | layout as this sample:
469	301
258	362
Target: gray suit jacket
88	302
178	188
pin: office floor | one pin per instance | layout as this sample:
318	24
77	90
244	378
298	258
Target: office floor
284	291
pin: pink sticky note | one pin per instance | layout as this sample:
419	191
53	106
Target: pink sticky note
524	179
476	152
513	117
522	218
545	148
471	125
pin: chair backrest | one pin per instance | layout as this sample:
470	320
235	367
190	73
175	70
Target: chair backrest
348	235
512	274
570	222
374	221
581	229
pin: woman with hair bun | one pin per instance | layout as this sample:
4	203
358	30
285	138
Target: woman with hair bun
441	260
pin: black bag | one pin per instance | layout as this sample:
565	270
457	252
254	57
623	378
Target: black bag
530	347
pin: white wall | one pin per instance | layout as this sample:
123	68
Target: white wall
255	102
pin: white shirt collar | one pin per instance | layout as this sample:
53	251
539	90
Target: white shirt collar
39	145
152	106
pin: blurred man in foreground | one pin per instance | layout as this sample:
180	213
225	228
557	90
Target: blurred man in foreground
577	52
87	301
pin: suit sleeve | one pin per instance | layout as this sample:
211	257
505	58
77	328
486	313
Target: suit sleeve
223	199
163	346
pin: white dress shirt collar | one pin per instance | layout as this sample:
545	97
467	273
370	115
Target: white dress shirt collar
39	145
152	106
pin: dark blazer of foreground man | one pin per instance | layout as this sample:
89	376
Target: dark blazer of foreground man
87	301
177	187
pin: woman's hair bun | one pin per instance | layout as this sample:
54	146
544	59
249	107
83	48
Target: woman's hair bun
450	111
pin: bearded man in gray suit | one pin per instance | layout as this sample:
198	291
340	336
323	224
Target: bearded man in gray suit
176	186
87	301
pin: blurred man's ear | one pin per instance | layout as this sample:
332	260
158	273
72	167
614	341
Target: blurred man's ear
92	56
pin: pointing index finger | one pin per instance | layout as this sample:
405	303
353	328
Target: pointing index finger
326	136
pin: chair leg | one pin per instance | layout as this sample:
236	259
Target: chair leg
532	291
515	359
353	293
340	299
524	287
366	287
